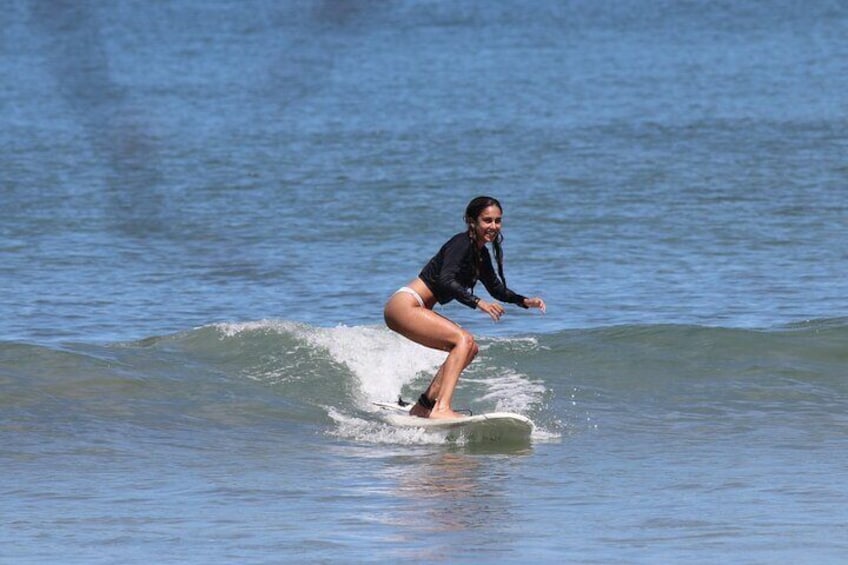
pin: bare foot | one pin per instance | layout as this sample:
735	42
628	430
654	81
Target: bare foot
439	413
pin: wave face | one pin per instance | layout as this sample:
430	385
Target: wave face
327	378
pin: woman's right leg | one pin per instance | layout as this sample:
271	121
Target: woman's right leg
444	383
423	326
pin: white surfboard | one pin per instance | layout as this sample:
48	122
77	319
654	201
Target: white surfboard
491	425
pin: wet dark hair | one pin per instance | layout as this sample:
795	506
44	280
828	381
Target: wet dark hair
472	213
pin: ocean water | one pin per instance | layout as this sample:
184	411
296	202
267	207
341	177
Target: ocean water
205	205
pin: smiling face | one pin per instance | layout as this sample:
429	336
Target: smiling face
487	225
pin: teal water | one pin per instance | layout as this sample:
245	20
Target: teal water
205	205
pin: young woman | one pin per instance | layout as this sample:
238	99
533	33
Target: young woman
451	275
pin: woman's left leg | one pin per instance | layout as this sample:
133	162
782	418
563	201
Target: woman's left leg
436	389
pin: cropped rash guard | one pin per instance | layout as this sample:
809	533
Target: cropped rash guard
450	274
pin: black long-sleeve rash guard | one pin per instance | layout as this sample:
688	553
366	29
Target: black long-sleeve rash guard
450	274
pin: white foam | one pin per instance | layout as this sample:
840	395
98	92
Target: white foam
378	431
510	390
232	329
382	361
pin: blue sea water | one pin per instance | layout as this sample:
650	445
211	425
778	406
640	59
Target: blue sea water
205	205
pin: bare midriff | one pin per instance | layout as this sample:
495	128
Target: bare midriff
424	292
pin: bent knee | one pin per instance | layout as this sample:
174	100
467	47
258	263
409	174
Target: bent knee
466	342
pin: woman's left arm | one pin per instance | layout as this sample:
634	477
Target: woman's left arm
535	302
499	290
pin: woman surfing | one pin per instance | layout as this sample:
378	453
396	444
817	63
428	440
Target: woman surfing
451	275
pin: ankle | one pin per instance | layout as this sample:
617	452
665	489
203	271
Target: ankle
426	402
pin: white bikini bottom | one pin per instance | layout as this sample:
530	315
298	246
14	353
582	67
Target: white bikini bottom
411	291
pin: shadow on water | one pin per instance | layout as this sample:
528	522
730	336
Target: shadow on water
116	127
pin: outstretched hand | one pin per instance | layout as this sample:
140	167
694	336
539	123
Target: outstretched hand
535	302
493	309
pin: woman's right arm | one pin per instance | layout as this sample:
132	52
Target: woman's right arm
493	309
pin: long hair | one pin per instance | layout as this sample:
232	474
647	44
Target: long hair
472	212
